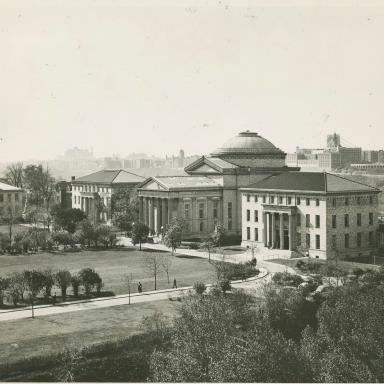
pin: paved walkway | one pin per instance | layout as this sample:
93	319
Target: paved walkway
252	284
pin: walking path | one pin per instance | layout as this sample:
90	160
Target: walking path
266	269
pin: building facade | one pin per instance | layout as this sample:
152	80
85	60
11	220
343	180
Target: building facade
92	193
12	201
318	214
210	193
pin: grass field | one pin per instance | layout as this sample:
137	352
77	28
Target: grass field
345	265
47	335
113	266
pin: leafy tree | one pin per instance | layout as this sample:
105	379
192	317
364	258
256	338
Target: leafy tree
199	287
17	286
104	234
4	284
89	279
125	208
35	281
75	282
173	234
218	236
208	244
48	282
348	344
67	218
63	280
14	174
62	237
87	232
139	233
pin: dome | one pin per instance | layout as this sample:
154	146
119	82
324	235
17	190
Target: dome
247	143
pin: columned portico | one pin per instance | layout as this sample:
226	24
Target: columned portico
278	230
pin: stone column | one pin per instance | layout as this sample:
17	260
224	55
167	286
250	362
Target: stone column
291	233
164	213
268	229
82	203
273	230
281	230
170	208
141	209
265	239
158	215
150	213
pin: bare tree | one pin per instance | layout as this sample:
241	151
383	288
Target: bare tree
14	174
153	265
166	262
130	280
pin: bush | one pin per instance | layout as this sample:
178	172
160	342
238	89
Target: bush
90	279
232	271
199	287
75	282
225	285
287	279
194	246
357	271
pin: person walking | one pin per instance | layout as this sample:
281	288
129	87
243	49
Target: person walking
140	288
174	284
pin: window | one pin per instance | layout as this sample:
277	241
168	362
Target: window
280	200
230	210
358	200
358	219
317	241
248	233
256	234
229	225
289	200
256	216
256	199
370	239
308	240
201	227
370	218
346	240
215	209
248	198
248	215
16	197
298	200
201	210
346	201
317	221
264	199
186	211
307	220
333	221
346	220
333	202
298	220
334	242
371	200
272	199
358	239
317	202
307	201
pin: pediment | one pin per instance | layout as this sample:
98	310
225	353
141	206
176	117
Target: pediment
205	168
153	185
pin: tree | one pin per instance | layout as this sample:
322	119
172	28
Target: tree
125	208
218	236
17	286
173	234
63	280
104	234
48	282
153	263
130	280
4	285
87	231
62	237
139	233
90	279
166	263
67	218
199	287
208	244
14	174
35	281
75	282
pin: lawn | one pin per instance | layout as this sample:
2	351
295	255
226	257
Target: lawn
113	266
47	335
16	228
344	265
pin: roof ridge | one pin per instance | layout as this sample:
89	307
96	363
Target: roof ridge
131	173
117	174
353	181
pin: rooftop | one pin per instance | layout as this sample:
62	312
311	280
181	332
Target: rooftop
311	181
181	182
111	176
6	187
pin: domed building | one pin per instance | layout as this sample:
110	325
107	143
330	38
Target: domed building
210	192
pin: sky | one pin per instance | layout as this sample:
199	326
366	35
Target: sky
157	76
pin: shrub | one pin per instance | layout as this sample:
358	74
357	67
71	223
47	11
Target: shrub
63	280
287	279
357	271
225	285
89	279
194	246
75	282
199	287
232	271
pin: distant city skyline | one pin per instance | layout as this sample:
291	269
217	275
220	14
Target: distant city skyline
131	78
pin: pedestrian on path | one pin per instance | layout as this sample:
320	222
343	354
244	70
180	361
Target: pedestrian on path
174	284
54	299
140	288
